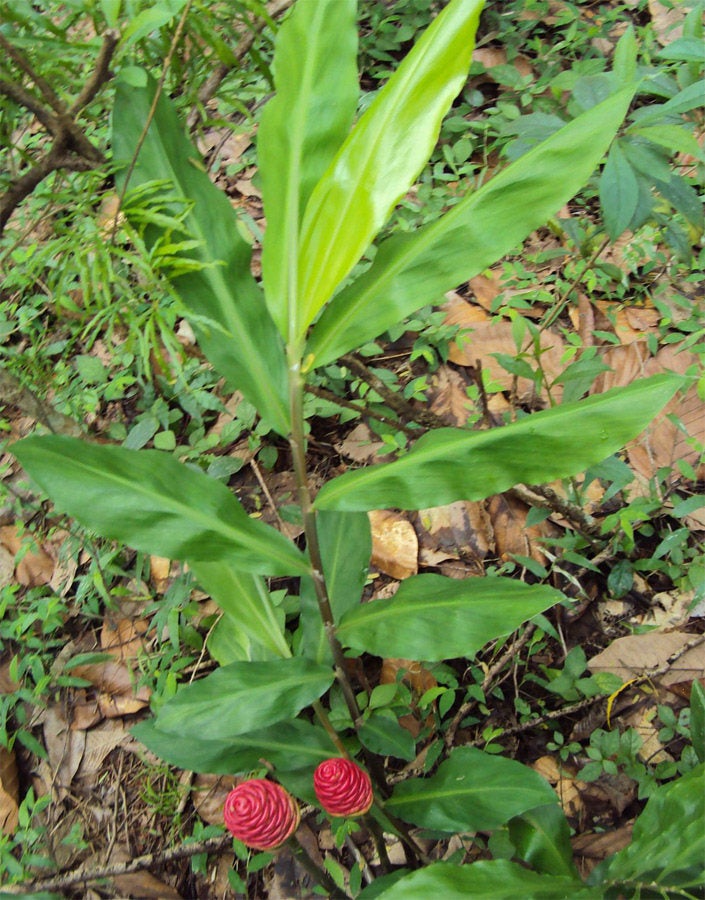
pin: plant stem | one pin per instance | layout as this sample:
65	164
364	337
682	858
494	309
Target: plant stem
297	442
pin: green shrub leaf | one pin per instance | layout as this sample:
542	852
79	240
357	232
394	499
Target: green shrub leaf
242	697
228	311
246	599
448	464
541	837
484	880
411	270
286	745
150	501
302	128
471	791
668	841
383	155
432	617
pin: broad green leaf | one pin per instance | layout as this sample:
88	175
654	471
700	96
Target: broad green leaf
495	879
410	270
382	734
228	643
346	546
229	315
625	57
383	155
432	617
541	837
246	599
697	719
302	127
619	192
286	745
449	464
151	502
668	841
471	791
242	697
690	97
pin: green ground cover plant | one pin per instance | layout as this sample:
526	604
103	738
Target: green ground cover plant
282	698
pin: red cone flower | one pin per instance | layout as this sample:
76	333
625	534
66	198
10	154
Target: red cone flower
261	814
342	787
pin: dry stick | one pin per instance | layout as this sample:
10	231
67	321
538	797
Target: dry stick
648	675
80	876
400	406
214	80
359	408
71	148
493	671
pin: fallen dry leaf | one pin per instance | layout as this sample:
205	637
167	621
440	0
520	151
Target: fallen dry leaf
448	397
140	884
100	742
159	568
562	780
9	791
361	445
481	337
602	845
35	567
454	531
123	638
7	567
418	679
667	20
208	795
512	537
395	546
634	654
64	747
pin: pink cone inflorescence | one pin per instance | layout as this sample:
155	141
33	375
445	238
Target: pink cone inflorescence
342	787
261	814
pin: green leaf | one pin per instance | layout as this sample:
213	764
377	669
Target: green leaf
495	879
690	97
668	840
411	270
471	791
541	837
432	617
346	546
286	745
383	155
619	192
149	501
246	599
450	464
242	697
226	306
625	56
302	127
697	719
382	734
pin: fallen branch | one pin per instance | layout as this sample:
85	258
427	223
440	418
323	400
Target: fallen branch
70	148
81	876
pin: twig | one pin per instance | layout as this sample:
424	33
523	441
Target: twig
359	408
81	876
70	149
214	80
509	654
394	401
542	495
